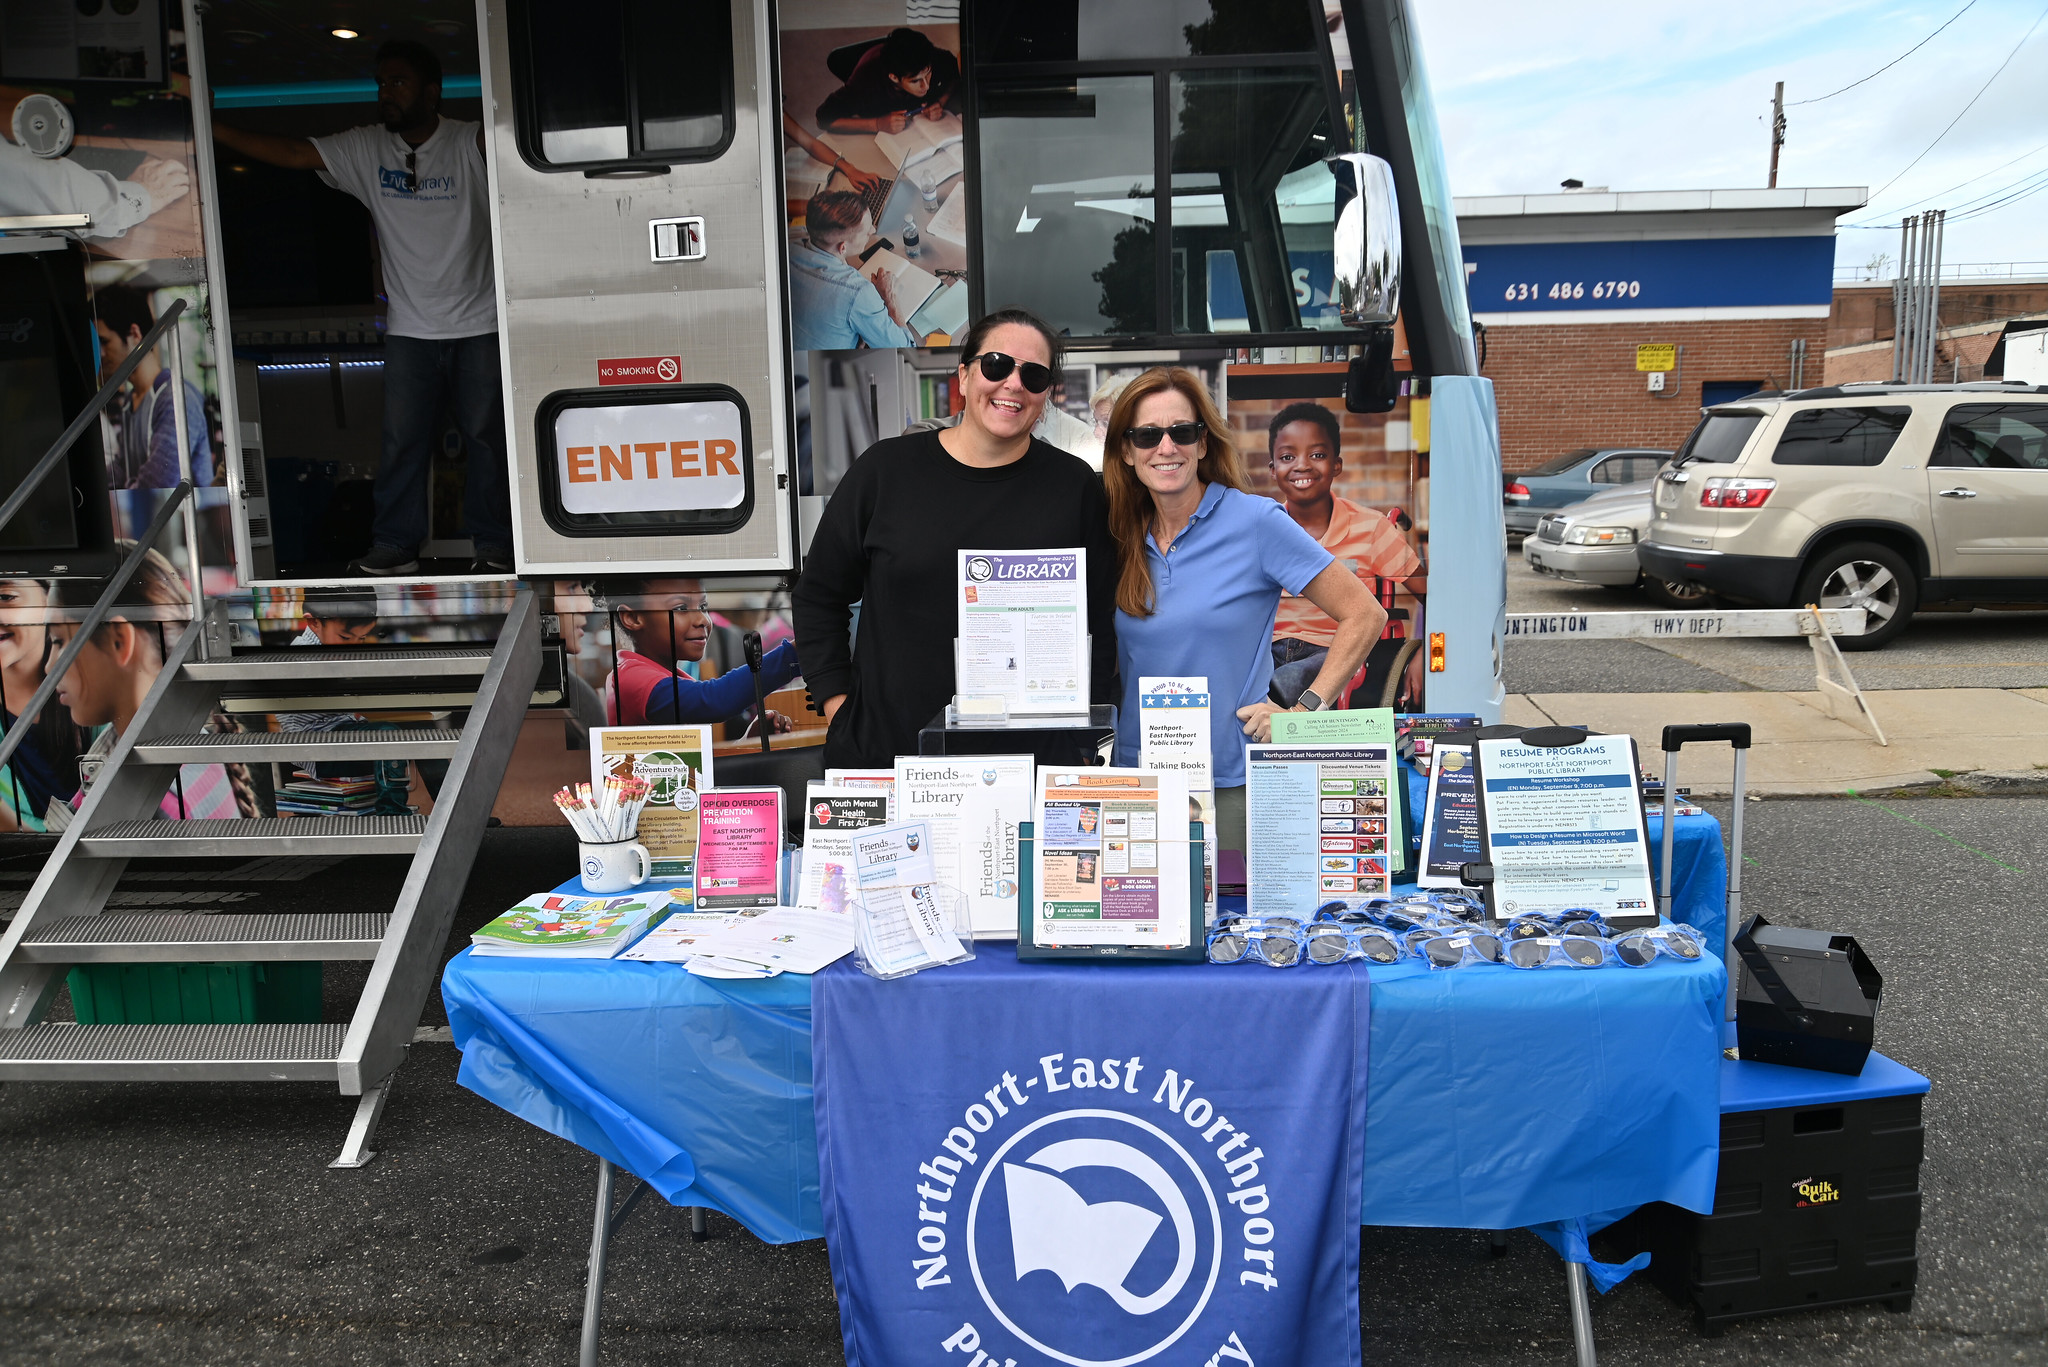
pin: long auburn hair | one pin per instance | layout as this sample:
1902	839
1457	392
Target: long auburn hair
1131	509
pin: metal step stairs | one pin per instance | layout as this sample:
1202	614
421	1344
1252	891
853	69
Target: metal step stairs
62	921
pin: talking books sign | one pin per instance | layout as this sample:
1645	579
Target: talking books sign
1048	1172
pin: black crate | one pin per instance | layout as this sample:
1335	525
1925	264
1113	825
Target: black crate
1815	1206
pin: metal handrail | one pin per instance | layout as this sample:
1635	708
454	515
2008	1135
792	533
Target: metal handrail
85	419
54	675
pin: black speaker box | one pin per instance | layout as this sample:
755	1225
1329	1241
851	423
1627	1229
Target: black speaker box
1807	998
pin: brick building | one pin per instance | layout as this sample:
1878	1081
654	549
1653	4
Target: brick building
1737	284
1973	315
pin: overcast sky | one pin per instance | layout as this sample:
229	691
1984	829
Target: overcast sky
1639	96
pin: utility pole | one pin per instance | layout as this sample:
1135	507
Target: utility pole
1777	129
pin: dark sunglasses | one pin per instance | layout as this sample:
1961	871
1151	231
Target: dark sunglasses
1183	434
996	367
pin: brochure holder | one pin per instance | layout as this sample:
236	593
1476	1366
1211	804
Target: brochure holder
901	929
1000	709
1067	741
1197	950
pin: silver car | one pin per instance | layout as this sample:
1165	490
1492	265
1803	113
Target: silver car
1594	542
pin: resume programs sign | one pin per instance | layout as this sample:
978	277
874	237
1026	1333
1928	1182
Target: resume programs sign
651	457
1564	828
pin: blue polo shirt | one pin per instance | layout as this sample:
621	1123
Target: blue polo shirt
1216	594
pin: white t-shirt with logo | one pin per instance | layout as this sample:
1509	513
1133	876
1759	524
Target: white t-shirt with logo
435	238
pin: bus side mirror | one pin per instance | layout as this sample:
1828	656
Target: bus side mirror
1367	246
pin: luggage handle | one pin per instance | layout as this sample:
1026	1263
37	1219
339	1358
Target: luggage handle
1736	733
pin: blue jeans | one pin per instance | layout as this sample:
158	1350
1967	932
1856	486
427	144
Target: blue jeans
418	376
1295	666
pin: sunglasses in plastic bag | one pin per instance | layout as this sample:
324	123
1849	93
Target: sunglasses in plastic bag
1456	951
1641	948
1557	951
1336	942
1586	923
1275	941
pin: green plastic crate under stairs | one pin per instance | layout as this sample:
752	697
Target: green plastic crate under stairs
197	994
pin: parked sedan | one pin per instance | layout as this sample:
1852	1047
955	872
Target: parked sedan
1576	475
1594	542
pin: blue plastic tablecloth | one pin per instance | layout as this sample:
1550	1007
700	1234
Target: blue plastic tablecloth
1497	1098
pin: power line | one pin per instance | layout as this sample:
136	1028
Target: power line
1971	105
1892	63
1953	188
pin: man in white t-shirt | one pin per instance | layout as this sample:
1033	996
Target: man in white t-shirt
422	177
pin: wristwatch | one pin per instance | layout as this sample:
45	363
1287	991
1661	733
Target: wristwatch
1311	701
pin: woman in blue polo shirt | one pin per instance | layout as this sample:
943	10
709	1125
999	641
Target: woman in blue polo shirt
1202	564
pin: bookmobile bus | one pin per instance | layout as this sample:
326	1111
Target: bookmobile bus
192	353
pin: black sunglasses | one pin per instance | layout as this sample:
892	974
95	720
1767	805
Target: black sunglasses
996	367
1183	434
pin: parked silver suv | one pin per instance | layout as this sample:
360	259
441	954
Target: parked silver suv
1879	496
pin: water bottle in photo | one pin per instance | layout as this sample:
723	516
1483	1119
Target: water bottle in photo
912	245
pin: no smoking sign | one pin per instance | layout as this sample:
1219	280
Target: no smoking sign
640	370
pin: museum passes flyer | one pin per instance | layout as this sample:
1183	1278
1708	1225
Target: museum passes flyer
1024	629
1111	859
739	848
831	817
972	805
1316	822
676	762
1564	829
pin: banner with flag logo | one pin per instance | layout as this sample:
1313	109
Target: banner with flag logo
1095	1165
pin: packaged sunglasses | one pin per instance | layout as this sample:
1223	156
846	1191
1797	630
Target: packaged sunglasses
996	367
1336	942
1277	942
1456	951
1580	923
1557	951
1641	948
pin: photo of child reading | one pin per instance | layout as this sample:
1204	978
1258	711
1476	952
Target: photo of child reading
660	626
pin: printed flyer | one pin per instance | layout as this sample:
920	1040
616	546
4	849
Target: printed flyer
1316	825
676	761
831	816
1024	629
905	922
1173	737
1564	829
739	848
1450	822
972	805
1111	863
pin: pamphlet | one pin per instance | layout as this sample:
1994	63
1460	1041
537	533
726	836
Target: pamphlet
903	923
1564	829
676	939
831	816
1111	860
554	925
1364	726
972	805
739	851
1173	737
1024	629
676	760
1316	825
1450	820
1418	731
882	780
778	940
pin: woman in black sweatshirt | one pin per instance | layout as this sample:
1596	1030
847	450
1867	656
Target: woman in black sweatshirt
890	538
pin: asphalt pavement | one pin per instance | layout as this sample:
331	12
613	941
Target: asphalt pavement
1936	650
198	1223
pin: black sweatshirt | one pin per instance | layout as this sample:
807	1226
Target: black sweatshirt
889	540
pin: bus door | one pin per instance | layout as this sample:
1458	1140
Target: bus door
633	157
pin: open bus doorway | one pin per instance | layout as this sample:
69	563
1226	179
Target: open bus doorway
308	287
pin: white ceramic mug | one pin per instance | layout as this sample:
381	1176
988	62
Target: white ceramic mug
614	865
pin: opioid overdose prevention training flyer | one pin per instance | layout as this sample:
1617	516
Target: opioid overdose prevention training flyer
739	848
1564	828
